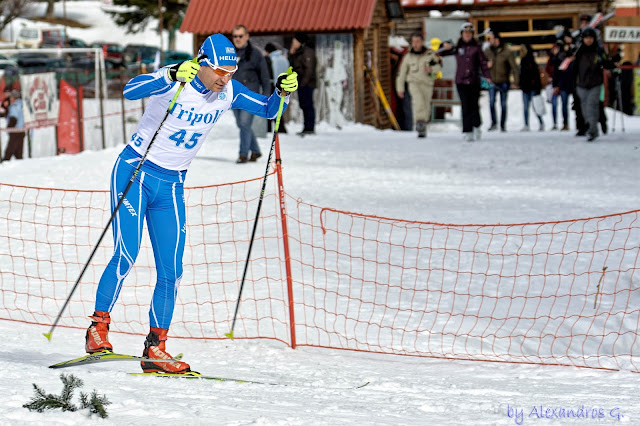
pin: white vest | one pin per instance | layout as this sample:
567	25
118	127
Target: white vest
185	129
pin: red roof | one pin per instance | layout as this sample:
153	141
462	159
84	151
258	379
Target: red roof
421	3
277	16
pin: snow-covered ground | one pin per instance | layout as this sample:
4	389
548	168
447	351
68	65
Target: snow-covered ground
504	178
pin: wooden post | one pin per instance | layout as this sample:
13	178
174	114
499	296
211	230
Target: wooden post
358	76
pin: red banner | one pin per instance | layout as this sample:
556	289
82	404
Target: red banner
69	126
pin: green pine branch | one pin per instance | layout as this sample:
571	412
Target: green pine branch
42	401
96	404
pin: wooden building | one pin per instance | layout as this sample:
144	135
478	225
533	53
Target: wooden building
361	25
518	21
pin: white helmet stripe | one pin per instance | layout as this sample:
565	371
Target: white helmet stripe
213	49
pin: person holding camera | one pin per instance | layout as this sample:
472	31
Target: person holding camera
590	60
471	66
419	69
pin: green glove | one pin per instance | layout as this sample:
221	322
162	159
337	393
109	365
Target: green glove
287	82
184	71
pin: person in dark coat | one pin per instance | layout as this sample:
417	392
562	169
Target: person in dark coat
530	83
471	66
277	63
563	80
15	119
254	74
303	61
590	61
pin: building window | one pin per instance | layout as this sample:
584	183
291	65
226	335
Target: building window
395	13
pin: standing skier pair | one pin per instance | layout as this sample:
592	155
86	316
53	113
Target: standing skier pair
157	193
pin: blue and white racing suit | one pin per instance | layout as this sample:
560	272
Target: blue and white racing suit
157	193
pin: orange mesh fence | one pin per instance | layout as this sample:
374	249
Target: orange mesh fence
46	236
563	293
551	293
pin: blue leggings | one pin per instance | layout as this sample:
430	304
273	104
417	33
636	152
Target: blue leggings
158	195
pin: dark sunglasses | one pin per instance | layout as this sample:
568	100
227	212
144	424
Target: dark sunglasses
238	35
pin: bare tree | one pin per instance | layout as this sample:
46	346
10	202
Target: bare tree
49	13
10	10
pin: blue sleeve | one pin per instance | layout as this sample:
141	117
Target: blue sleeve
255	103
145	85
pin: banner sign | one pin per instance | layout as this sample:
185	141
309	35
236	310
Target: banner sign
622	34
68	124
39	99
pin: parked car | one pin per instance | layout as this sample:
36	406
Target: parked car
170	57
140	53
89	64
113	52
75	42
9	71
36	37
33	62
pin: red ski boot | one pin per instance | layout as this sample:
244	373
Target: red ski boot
97	338
154	347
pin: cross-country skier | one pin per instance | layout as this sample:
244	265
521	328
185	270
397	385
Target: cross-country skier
157	193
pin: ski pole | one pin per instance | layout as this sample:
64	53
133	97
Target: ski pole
255	222
115	211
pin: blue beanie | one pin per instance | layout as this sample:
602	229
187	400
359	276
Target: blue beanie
219	51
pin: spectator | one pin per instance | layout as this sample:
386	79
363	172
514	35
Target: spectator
569	49
471	65
589	64
303	61
401	107
6	101
254	74
501	62
552	64
15	119
419	69
276	65
563	80
530	84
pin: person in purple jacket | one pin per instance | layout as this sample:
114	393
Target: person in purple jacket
471	66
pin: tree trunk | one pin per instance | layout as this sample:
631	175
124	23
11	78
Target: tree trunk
49	13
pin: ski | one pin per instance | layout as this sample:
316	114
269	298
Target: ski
196	375
104	356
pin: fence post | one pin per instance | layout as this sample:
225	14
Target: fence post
100	77
80	112
29	142
124	122
285	243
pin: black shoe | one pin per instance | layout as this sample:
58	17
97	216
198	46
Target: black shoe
255	156
503	128
493	127
306	132
591	137
241	159
581	133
